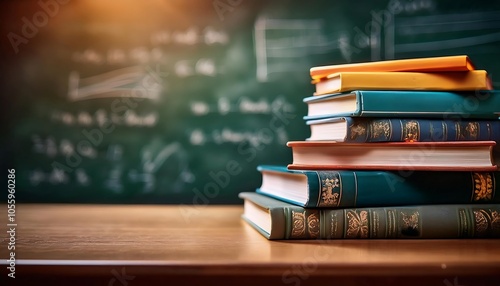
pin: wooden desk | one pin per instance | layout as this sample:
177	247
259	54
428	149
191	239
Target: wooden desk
135	245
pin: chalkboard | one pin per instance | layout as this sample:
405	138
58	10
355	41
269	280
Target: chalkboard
179	101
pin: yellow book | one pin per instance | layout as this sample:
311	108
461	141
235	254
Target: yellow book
438	81
431	64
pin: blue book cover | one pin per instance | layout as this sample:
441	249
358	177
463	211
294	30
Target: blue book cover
375	129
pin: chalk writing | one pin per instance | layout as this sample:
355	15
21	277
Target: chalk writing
191	36
243	105
101	117
127	82
280	43
226	135
58	177
482	27
51	147
153	157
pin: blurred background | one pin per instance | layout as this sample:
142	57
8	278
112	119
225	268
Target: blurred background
178	101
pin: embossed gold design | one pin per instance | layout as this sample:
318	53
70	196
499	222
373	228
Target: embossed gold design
410	223
357	226
487	222
391	224
334	225
357	130
298	224
482	222
375	225
411	131
471	130
380	128
458	129
483	186
465	229
445	130
495	221
329	198
313	225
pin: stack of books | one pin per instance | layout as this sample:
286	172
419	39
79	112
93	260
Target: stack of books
398	149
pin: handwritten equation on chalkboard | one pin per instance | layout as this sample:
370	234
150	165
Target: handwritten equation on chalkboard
134	99
117	123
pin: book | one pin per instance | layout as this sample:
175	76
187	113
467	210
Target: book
425	156
431	64
372	188
276	219
446	81
374	129
418	104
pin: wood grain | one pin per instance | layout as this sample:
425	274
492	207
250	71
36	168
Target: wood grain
213	240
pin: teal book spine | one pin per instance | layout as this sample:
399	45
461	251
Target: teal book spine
419	104
371	188
401	222
368	130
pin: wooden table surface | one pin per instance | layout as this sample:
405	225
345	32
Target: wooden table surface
141	244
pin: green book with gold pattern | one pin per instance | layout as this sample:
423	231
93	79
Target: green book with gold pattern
276	219
371	188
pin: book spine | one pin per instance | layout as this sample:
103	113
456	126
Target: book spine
341	189
440	221
364	130
466	81
445	104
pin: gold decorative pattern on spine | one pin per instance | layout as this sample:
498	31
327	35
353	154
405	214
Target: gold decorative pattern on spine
298	224
329	198
487	222
483	187
313	225
495	222
375	225
358	129
409	223
482	219
334	225
464	223
445	130
411	131
357	224
458	130
380	128
470	131
391	224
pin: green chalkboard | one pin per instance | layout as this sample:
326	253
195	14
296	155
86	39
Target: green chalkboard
179	101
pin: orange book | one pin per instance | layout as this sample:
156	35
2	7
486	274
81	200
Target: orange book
437	81
434	64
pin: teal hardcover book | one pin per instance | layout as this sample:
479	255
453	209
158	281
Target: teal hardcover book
279	220
370	188
376	129
437	104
